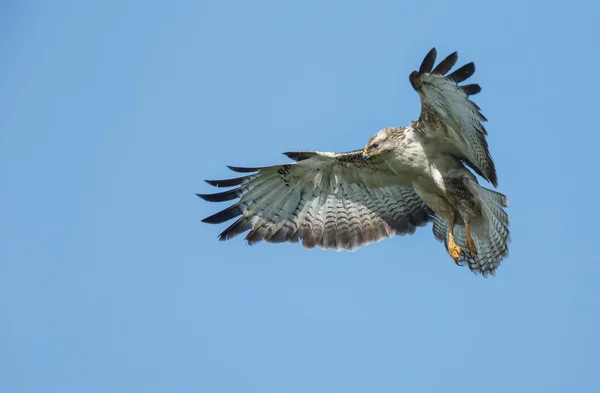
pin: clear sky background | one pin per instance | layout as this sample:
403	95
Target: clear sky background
112	113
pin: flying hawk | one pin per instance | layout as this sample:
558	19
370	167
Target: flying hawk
402	179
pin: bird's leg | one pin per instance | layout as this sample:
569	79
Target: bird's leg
453	249
470	242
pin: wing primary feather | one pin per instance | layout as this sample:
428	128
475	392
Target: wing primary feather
446	64
288	226
489	174
224	215
238	227
428	62
299	155
462	73
244	170
221	196
471	90
493	177
228	182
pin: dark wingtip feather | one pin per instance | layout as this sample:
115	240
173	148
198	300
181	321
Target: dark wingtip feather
228	182
471	90
446	64
243	170
490	171
221	196
299	155
414	80
428	62
493	178
238	227
224	215
462	73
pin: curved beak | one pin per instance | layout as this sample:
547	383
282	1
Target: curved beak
365	154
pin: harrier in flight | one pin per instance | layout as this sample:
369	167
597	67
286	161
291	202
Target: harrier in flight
403	178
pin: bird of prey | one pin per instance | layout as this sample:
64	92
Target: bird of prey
403	178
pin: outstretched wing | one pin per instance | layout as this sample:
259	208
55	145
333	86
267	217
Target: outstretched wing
448	115
328	200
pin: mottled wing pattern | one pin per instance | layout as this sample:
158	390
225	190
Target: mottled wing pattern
329	200
447	113
492	243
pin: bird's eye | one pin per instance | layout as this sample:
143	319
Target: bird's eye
374	145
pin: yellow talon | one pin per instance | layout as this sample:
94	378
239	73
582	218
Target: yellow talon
470	242
453	248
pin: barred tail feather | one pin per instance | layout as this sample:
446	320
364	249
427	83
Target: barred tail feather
491	238
490	233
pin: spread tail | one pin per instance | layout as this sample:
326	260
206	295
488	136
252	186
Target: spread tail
490	233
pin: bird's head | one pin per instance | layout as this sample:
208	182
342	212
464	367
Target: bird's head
379	143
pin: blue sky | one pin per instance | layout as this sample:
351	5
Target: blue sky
114	112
